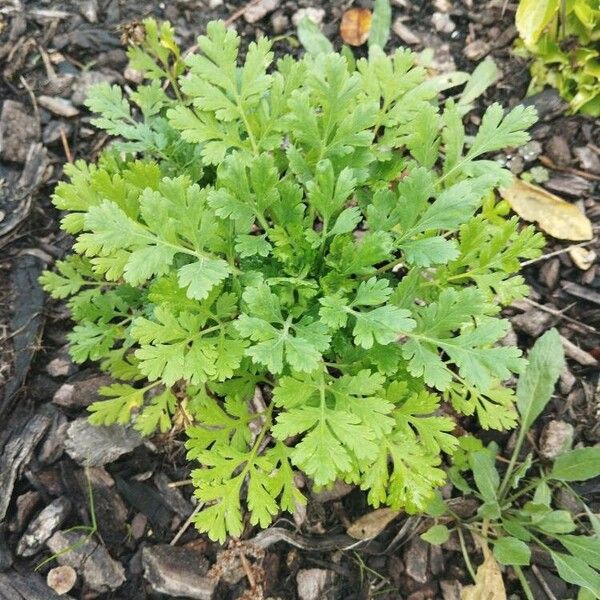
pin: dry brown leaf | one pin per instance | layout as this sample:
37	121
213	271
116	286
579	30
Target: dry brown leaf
355	26
582	257
554	215
372	524
488	581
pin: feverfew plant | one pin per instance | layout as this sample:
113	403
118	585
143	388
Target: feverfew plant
300	262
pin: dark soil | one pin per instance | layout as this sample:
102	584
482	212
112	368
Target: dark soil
49	48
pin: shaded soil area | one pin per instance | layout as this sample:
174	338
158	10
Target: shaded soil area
128	498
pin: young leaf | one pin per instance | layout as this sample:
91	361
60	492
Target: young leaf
311	38
381	24
436	535
536	384
512	551
584	547
574	570
577	465
486	475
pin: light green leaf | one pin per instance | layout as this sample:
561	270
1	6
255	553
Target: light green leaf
486	475
574	570
312	39
436	535
512	551
536	384
577	465
533	16
201	276
381	24
585	547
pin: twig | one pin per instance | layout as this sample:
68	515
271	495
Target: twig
543	583
185	526
36	112
555	253
247	570
176	484
65	144
239	12
551	165
560	314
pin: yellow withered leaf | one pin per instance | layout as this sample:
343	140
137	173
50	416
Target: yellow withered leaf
372	524
488	581
555	216
355	26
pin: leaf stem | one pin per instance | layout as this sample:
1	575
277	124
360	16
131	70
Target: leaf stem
511	465
465	553
524	583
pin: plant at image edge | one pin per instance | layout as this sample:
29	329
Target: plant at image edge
327	236
563	36
516	512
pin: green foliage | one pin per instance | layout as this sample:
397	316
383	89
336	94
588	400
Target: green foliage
289	232
516	510
562	36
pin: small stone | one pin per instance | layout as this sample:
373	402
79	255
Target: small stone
588	160
84	82
19	128
530	151
442	5
436	560
80	393
43	526
26	504
404	33
533	322
516	164
583	258
442	22
316	15
556	438
510	338
416	560
567	500
52	131
450	589
547	103
315	584
279	23
59	106
571	185
557	149
255	12
94	446
567	380
550	273
61	579
178	572
172	496
89	558
338	490
61	366
138	526
52	448
476	50
64	395
89	9
133	75
215	3
443	61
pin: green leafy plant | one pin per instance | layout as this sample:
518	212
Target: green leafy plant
563	37
301	262
517	510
